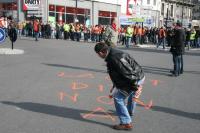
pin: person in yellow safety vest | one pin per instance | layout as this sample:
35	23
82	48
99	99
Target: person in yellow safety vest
192	38
66	28
129	34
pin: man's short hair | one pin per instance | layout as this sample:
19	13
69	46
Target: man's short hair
178	23
101	46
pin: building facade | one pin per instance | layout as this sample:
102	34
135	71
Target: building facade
176	10
91	12
196	10
146	11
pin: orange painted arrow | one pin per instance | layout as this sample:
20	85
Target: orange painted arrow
98	109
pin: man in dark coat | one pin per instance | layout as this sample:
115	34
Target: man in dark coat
126	75
178	49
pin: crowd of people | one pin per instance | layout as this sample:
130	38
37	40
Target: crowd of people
124	35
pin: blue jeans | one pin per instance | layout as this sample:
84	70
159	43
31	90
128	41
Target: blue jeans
161	41
198	42
121	108
128	42
178	64
36	36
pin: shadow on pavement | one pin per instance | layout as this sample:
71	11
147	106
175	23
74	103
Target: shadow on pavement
53	110
76	67
176	112
156	70
164	71
195	116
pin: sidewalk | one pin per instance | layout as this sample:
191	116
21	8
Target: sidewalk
152	46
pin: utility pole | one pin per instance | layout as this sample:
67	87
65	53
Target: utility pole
167	17
18	10
75	17
182	15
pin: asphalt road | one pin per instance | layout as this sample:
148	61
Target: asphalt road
60	86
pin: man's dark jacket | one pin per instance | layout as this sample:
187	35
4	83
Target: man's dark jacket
124	71
178	46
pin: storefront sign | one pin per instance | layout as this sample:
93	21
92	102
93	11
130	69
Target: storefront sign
31	5
139	20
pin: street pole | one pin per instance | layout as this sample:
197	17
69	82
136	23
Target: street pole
182	12
167	17
18	9
76	5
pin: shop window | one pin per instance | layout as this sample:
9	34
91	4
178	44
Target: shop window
51	7
113	14
52	14
60	9
104	21
60	17
69	18
10	6
81	19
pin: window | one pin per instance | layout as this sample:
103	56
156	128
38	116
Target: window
60	17
172	10
162	9
60	9
69	18
148	2
51	7
52	14
106	17
154	2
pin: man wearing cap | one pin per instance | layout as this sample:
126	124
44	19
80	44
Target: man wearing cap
126	75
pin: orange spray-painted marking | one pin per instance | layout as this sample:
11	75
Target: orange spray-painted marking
86	75
61	74
108	78
101	88
63	94
94	114
78	86
100	100
155	82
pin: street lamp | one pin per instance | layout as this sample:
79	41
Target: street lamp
167	17
75	17
182	15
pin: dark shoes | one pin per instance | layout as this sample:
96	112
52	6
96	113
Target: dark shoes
123	127
174	74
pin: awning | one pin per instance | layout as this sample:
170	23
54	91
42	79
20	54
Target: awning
7	1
